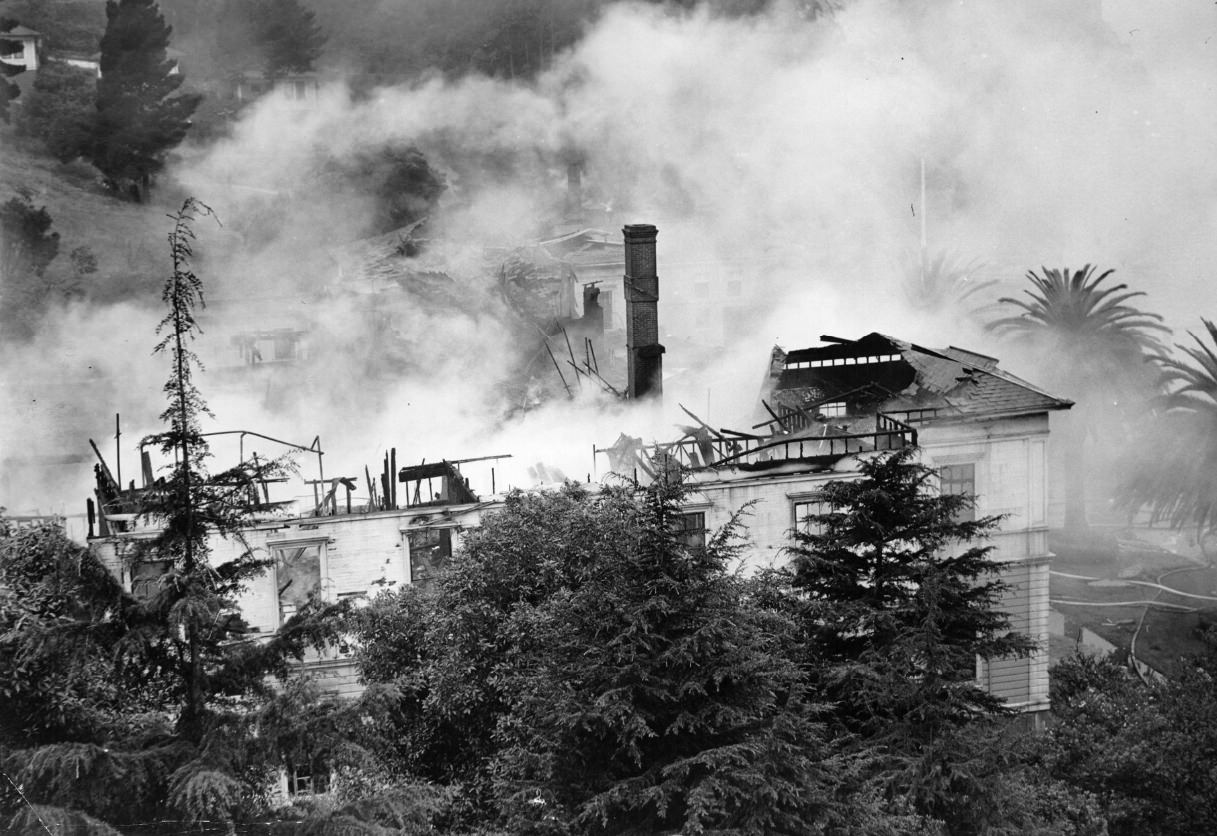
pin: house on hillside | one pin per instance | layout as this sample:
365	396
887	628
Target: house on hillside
21	47
985	430
302	90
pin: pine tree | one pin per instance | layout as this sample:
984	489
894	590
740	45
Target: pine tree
138	118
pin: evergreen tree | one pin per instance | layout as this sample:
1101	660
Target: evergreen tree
138	118
288	35
196	753
900	600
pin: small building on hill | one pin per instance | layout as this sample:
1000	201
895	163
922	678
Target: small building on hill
21	47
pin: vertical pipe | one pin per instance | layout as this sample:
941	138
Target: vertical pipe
118	452
320	464
393	473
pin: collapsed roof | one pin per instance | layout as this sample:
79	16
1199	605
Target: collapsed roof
878	373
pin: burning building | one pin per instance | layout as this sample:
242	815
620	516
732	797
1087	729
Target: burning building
984	430
822	410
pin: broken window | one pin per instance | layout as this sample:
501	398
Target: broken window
836	409
307	777
808	515
691	529
430	549
297	576
959	479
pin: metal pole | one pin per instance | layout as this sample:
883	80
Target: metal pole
118	451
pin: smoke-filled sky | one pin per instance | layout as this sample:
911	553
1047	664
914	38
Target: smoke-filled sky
1050	133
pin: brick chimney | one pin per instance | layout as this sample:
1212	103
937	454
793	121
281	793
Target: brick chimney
641	312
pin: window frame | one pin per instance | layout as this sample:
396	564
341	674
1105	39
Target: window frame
810	499
450	530
967	514
324	586
686	534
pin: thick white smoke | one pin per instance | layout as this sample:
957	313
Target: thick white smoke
1049	133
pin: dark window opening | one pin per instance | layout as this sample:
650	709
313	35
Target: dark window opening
430	550
691	530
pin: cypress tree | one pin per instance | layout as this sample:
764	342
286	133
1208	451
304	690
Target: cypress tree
138	119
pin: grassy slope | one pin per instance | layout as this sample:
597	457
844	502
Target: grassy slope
128	239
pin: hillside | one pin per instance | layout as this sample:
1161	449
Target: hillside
126	238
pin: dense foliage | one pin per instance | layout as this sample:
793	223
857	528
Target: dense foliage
59	110
583	669
1145	752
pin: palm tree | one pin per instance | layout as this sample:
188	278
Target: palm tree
1179	483
1096	345
1072	309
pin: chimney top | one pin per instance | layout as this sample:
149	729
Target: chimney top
639	232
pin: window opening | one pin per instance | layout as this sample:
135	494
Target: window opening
308	778
298	575
430	550
692	529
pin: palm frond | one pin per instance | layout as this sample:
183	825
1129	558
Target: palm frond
1075	308
1179	485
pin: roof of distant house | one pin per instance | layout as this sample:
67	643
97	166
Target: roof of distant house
21	32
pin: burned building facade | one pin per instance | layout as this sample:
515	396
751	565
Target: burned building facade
822	410
984	430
